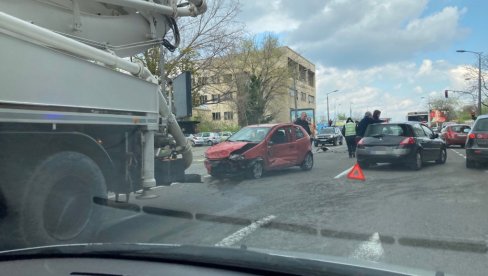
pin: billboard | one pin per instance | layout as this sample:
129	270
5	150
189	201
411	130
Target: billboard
309	111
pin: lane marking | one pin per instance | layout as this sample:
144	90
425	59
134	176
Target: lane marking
343	173
244	232
370	250
460	154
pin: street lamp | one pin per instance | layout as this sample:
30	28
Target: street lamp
328	118
479	75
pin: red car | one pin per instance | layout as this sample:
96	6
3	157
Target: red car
258	148
455	134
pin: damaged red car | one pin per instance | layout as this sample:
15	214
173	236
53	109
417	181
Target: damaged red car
259	148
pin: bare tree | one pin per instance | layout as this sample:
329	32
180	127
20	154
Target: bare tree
259	78
203	39
471	77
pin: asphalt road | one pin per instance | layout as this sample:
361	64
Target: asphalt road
434	219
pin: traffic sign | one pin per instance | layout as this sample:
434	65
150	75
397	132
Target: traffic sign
356	173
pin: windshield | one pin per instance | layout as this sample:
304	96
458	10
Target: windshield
327	131
250	134
387	129
313	130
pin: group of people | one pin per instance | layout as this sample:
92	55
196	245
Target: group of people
354	131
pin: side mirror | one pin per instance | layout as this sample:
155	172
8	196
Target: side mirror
466	130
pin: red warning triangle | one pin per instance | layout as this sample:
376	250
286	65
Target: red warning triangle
356	173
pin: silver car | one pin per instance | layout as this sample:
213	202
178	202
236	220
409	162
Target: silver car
206	138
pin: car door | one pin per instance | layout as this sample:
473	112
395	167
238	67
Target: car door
424	142
302	144
435	143
280	148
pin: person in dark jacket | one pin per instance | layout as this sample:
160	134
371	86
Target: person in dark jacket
303	122
376	117
364	123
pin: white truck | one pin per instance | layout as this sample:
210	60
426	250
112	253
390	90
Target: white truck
78	119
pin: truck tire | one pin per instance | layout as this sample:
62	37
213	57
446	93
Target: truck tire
58	204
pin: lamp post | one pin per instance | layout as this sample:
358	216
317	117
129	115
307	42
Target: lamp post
479	54
327	95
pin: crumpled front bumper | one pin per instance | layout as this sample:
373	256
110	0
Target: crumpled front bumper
226	166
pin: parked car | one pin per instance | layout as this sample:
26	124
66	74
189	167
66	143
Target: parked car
206	138
189	138
329	135
259	148
224	135
477	143
409	143
455	134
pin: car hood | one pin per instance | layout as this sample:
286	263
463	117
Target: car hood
223	150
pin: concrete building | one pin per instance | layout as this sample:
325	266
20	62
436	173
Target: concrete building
218	101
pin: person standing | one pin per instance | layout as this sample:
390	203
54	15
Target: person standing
376	117
303	122
363	124
349	131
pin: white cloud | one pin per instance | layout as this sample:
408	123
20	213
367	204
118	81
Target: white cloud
345	33
395	88
426	67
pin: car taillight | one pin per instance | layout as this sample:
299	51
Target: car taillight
407	141
472	136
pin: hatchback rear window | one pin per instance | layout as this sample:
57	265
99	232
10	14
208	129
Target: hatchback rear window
459	129
481	125
387	129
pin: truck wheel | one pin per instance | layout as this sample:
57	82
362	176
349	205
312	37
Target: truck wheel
209	143
58	206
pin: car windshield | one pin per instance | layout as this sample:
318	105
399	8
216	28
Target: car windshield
327	131
250	134
386	129
352	133
481	125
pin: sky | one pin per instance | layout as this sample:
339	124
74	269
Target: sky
392	55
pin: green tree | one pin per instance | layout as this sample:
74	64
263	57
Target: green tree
449	106
260	77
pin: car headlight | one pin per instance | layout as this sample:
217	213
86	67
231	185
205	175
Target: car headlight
236	157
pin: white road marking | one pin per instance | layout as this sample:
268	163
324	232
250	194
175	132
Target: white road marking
199	160
246	231
460	154
343	173
371	250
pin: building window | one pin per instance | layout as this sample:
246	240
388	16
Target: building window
227	96
229	115
304	97
311	78
202	81
216	98
203	99
292	66
311	99
303	73
216	116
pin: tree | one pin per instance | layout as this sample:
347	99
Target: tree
260	78
341	116
471	76
203	39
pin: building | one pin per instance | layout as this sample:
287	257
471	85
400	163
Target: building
218	101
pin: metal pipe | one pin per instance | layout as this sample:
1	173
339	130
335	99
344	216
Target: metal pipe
195	8
148	161
57	41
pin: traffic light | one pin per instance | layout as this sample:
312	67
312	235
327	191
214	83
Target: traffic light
446	94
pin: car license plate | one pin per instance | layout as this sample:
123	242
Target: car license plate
379	150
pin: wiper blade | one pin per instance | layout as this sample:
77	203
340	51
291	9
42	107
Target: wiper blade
377	135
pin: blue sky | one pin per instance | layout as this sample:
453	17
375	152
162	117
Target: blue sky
392	55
